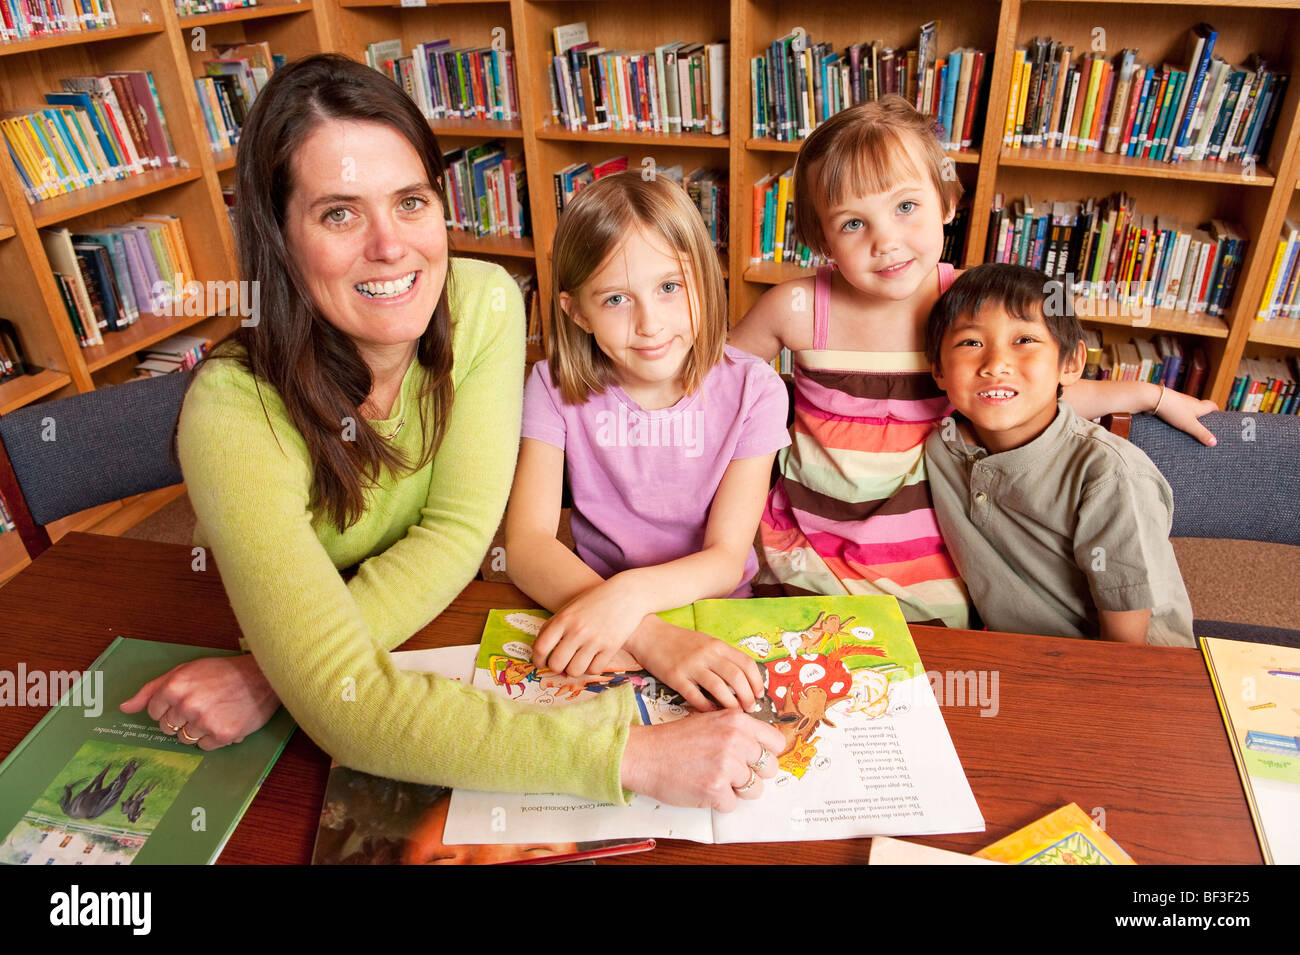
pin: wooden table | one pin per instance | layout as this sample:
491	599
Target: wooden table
1133	731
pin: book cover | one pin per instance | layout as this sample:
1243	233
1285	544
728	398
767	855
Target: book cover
93	785
1067	836
866	749
1257	686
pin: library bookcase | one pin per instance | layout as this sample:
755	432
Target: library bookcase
150	35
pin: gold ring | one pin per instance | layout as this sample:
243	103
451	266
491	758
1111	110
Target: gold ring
762	760
172	726
187	737
753	778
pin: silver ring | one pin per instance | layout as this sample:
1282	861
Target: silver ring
753	778
762	760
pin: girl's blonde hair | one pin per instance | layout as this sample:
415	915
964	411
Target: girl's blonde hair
861	151
598	219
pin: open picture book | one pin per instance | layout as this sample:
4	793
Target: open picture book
866	749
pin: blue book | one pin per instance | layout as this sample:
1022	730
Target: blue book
1202	39
951	76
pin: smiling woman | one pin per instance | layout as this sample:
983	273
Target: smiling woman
371	419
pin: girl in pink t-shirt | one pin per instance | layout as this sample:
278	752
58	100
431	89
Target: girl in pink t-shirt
667	437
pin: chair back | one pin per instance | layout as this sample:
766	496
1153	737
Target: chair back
79	452
1247	487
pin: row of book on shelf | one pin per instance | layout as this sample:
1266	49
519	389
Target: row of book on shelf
23	19
677	87
796	84
189	8
108	277
487	191
451	82
1162	359
1203	110
1281	298
1266	384
101	128
231	83
708	189
1107	250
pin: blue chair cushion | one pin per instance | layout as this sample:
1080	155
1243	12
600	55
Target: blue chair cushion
89	449
1245	488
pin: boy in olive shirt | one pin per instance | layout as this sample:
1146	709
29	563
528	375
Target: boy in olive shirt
1057	526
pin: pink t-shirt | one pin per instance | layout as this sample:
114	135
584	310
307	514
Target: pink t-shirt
643	481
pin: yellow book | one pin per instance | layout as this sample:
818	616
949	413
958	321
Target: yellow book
782	196
1089	106
1013	103
1270	285
17	136
54	136
1067	836
1026	73
39	134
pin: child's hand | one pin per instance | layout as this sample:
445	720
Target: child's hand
1182	411
691	662
588	632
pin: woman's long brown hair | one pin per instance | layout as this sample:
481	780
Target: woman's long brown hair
315	368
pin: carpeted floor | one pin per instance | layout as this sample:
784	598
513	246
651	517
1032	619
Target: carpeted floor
1237	581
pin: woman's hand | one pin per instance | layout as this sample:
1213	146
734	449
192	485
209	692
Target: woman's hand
1182	411
705	761
212	702
587	632
690	661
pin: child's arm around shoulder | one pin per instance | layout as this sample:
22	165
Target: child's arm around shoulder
782	318
1092	399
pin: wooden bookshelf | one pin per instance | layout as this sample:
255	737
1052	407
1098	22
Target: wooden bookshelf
13	556
1277	331
245	14
22	391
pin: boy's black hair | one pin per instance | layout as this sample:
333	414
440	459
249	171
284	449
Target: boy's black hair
1024	292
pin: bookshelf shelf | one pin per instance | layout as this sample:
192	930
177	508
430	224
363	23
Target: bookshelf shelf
1159	320
145	332
397	6
6	232
77	38
22	391
1065	160
244	14
224	159
1274	4
468	244
774	273
485	128
13	556
1277	331
632	138
49	212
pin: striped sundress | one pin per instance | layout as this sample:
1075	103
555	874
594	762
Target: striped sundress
851	511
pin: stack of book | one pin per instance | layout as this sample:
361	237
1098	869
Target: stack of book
100	129
1203	109
178	353
1280	298
18	21
1105	249
446	81
487	191
774	238
796	84
189	8
108	277
227	92
674	88
1266	384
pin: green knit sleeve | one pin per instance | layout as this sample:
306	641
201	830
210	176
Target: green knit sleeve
248	476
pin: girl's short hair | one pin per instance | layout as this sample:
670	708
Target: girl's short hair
597	220
863	150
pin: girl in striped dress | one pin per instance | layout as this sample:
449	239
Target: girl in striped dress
851	511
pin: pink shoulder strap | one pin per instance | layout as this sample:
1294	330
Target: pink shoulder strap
822	307
947	275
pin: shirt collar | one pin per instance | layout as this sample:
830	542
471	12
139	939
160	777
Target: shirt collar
1017	458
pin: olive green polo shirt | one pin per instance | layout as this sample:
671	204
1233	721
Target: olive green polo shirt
1047	534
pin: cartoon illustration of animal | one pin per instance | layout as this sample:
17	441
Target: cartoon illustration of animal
813	638
133	805
96	799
